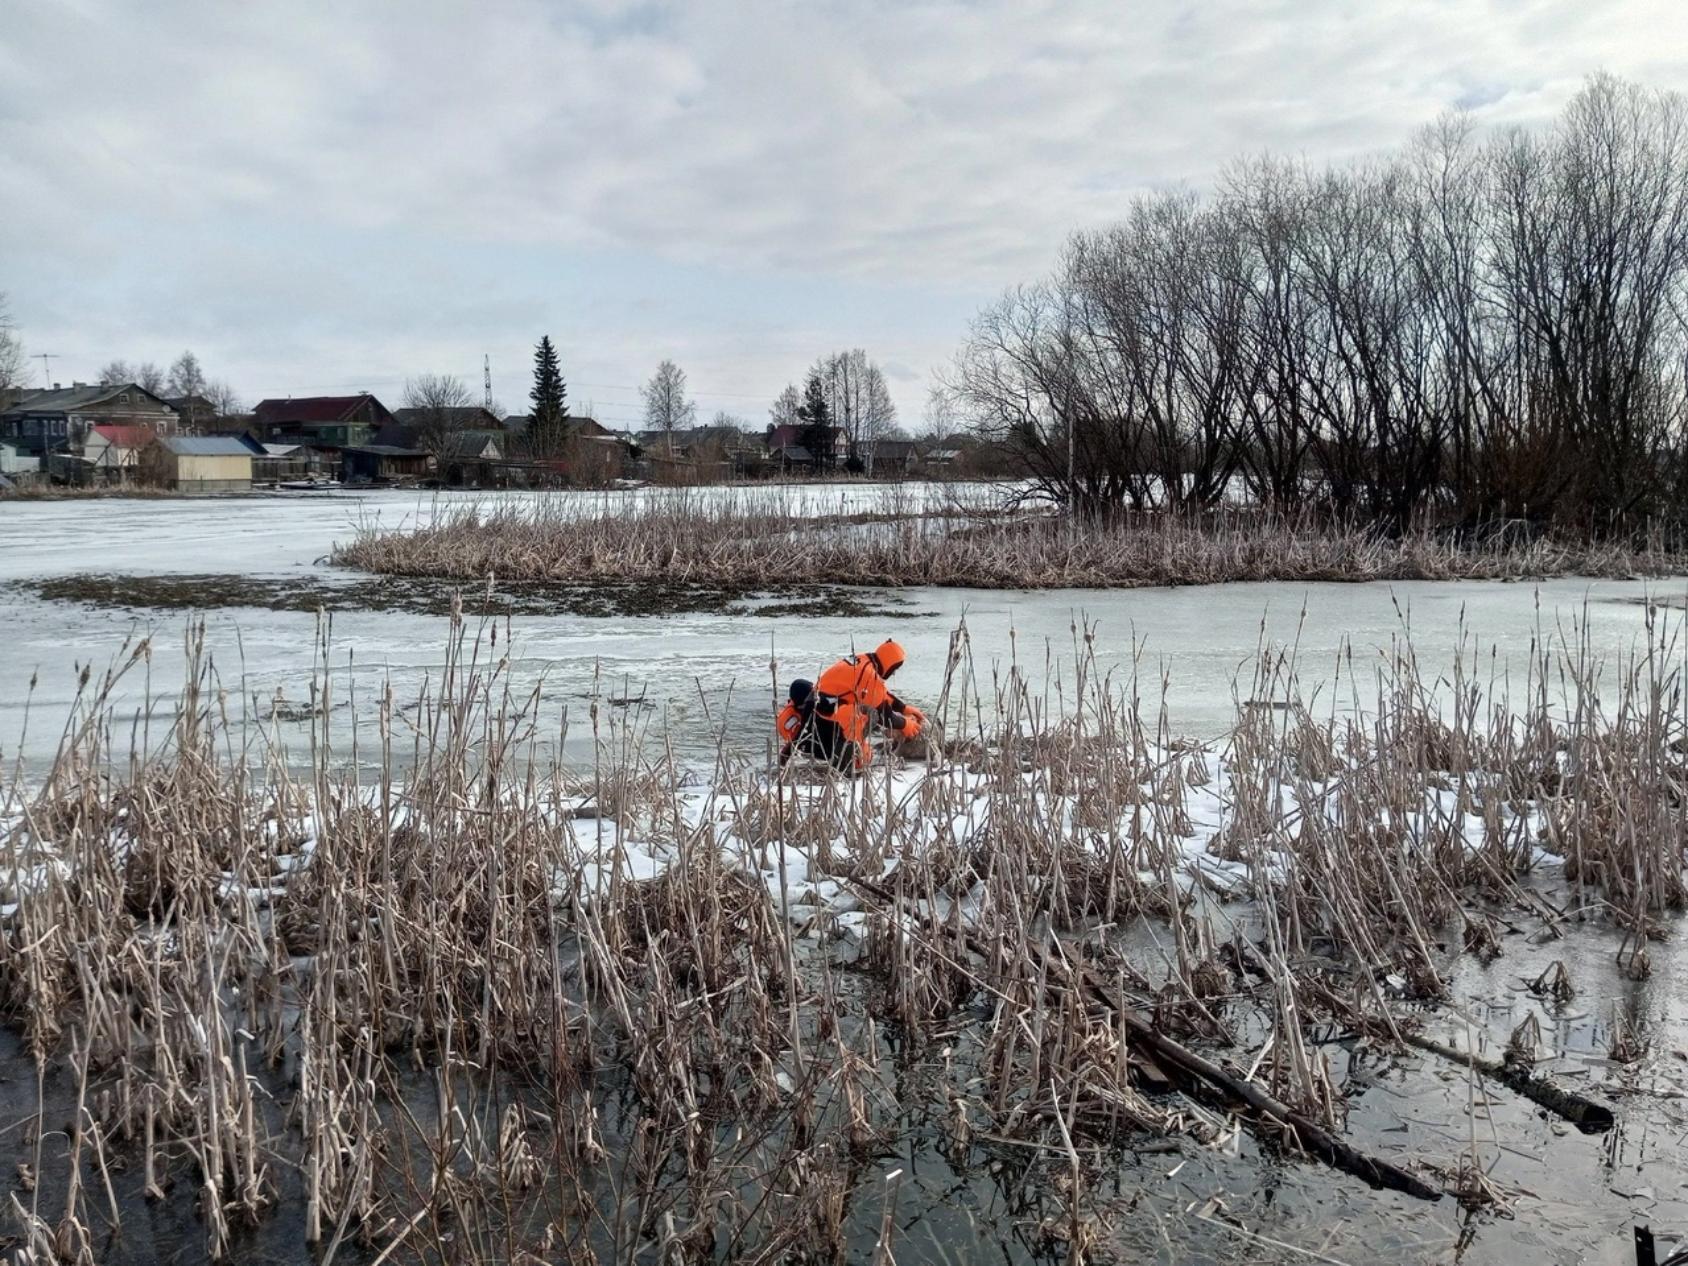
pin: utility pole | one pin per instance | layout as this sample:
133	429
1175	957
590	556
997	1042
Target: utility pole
46	367
486	375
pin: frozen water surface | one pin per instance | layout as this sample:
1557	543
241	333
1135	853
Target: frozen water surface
695	671
1583	1193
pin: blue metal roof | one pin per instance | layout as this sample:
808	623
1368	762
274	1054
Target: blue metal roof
206	446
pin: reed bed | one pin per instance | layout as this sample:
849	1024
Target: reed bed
750	540
441	997
39	491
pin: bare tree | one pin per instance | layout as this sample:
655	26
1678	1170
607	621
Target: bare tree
114	372
1157	303
1591	241
666	406
878	410
1474	332
438	400
942	412
12	362
186	377
151	378
786	406
858	400
225	403
187	386
1036	375
1264	203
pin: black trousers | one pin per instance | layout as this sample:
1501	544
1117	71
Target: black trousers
824	740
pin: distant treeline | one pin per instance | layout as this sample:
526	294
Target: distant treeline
1477	329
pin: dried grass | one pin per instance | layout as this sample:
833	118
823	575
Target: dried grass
476	1006
742	538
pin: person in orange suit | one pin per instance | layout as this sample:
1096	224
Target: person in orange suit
795	716
845	699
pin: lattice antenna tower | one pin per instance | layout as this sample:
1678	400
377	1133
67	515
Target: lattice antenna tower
486	377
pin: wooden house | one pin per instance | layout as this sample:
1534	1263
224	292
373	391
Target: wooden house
113	449
59	420
384	464
326	422
198	463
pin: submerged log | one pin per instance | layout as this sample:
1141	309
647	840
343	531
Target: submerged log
1588	1115
1174	1056
1309	1134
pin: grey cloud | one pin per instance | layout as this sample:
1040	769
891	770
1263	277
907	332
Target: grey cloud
762	132
922	144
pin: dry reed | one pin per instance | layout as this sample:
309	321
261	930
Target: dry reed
470	1005
742	538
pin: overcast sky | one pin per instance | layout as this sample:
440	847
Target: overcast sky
331	197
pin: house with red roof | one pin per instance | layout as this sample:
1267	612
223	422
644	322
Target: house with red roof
57	420
326	422
113	449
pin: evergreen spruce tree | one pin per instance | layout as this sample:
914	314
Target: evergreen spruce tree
817	423
550	401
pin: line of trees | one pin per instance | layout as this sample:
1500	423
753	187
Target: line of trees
858	402
1475	330
846	391
207	397
443	407
204	398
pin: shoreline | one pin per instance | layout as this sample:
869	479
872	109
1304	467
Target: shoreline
59	492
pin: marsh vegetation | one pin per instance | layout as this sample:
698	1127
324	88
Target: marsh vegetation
430	994
427	595
979	538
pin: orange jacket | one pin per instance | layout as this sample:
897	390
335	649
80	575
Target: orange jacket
789	723
851	689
